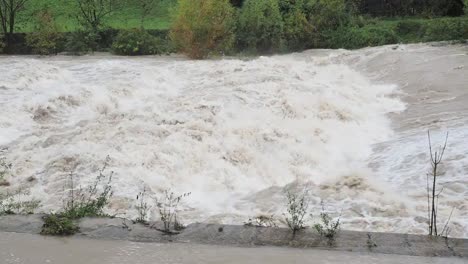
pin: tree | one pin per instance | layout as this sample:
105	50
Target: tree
92	12
260	25
45	36
9	10
202	27
298	30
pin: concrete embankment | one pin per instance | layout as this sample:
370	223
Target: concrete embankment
250	236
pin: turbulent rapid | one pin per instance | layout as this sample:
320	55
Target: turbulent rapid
350	126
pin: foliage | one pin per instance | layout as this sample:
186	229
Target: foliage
91	13
168	208
5	167
137	42
202	27
142	207
354	37
92	200
46	35
328	14
81	42
261	26
9	11
2	43
297	207
14	203
446	29
327	227
58	225
298	30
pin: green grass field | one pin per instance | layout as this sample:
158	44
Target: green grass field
65	11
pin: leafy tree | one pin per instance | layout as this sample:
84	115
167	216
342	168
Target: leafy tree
92	12
260	26
328	14
9	10
202	27
46	35
298	30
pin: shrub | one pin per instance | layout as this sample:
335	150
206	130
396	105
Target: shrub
261	26
91	201
44	40
82	41
142	207
328	14
298	31
298	205
13	203
137	42
5	167
354	37
407	27
168	208
2	43
446	29
327	227
202	27
58	225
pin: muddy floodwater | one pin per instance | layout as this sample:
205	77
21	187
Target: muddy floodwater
33	249
351	126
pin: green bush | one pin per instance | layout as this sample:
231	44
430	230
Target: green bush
409	27
354	37
446	29
44	40
82	41
137	42
202	27
298	30
260	26
58	225
2	44
328	14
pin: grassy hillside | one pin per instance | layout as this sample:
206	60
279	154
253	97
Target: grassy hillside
65	14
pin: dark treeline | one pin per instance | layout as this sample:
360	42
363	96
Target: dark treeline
391	8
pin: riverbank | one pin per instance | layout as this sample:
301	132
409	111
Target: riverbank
251	236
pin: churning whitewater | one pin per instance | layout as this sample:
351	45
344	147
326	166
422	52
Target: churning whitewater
232	132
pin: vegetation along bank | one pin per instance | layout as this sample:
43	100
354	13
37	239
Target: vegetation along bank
201	28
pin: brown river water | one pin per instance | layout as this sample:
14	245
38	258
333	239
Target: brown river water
349	125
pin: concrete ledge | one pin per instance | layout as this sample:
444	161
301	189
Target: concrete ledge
248	236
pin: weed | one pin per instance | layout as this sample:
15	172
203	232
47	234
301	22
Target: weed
142	207
297	209
327	227
5	167
58	225
168	206
91	201
433	195
13	203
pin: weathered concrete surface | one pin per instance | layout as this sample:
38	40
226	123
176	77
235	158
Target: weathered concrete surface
248	236
31	224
